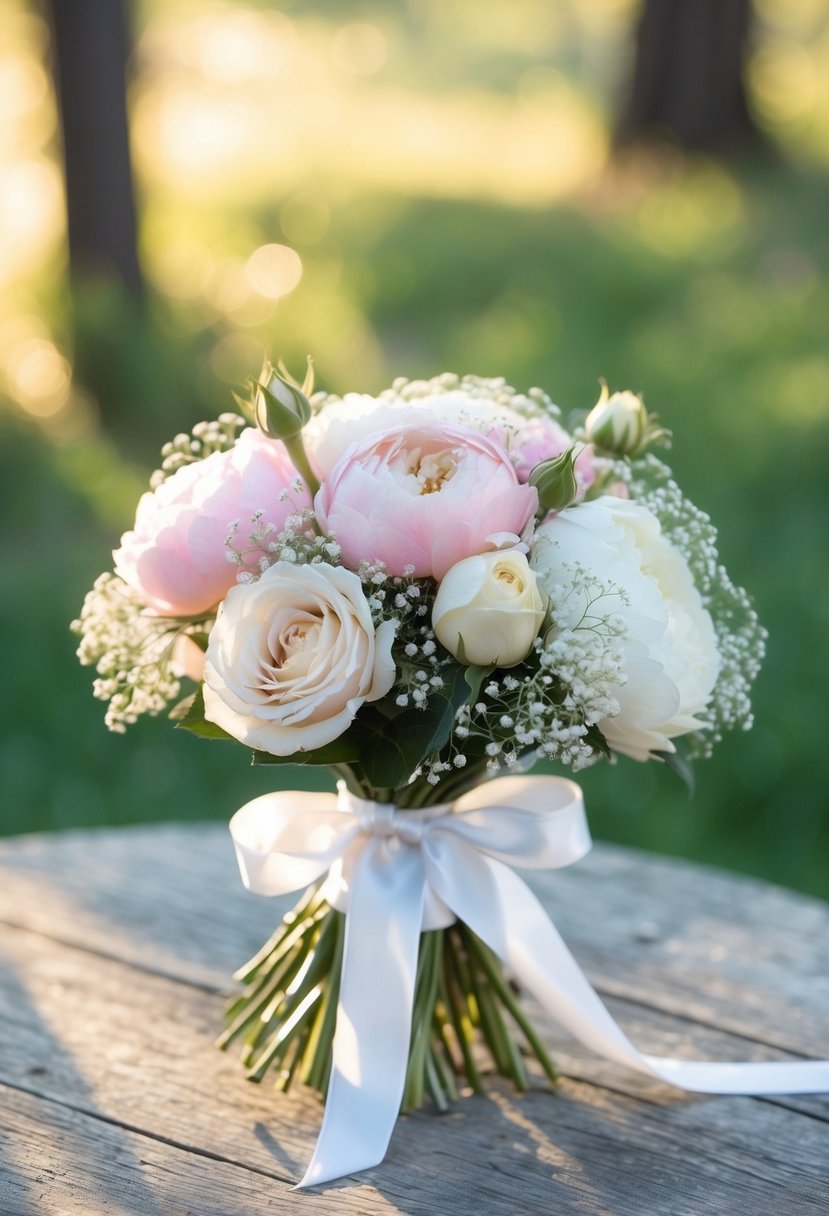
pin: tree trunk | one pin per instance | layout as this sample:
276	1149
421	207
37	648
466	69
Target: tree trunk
91	43
688	76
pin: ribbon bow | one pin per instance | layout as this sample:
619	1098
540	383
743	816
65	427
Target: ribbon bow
396	873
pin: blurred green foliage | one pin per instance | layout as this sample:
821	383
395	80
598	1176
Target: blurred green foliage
703	286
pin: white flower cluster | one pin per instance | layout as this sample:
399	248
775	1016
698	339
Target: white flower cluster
741	640
264	544
687	527
481	391
217	435
131	650
492	390
408	602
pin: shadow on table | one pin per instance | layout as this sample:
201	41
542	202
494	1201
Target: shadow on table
48	1138
119	892
588	1150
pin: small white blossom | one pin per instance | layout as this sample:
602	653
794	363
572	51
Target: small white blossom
131	650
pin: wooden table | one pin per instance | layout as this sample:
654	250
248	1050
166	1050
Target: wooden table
115	953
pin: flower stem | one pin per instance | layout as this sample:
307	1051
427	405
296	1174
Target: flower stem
299	459
458	1009
318	1050
308	904
286	1015
282	1037
492	968
426	984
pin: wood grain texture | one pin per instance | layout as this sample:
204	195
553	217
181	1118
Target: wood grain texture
115	951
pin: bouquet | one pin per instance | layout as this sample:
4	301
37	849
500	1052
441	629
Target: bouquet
426	591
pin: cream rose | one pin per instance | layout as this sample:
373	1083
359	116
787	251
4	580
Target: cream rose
292	658
489	609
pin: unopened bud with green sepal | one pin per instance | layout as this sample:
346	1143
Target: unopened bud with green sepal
620	424
555	480
280	404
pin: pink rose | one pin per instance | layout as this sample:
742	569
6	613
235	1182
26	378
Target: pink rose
424	495
175	556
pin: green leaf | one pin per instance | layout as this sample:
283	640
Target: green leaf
385	707
395	747
181	708
597	740
454	695
195	721
681	766
475	677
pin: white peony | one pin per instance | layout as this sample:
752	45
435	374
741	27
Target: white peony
293	656
669	648
489	605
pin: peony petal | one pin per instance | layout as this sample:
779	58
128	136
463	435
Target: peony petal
175	556
670	654
370	504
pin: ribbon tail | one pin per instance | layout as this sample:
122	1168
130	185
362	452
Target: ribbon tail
374	1017
498	905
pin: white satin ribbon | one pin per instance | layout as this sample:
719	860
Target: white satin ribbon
396	873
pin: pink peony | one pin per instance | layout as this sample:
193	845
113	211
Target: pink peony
527	438
175	556
424	496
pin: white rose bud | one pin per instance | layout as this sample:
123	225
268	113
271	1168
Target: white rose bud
618	423
489	609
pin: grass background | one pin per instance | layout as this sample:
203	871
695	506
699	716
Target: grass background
703	285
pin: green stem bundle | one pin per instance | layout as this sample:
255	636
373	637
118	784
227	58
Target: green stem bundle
466	1019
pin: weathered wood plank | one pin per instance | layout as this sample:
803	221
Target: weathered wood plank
727	951
590	1156
103	1011
120	1068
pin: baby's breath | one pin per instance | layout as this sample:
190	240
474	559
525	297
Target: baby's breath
408	602
479	390
260	544
218	435
131	649
741	639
